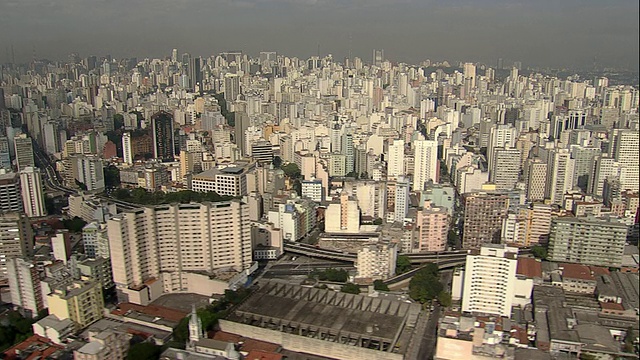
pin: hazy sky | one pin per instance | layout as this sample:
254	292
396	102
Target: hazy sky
553	33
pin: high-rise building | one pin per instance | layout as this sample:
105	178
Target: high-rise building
127	149
401	205
231	88
32	194
583	157
10	192
344	216
241	125
500	136
16	239
470	74
24	151
24	284
395	162
434	228
506	168
528	225
490	279
603	167
90	234
426	163
5	152
89	170
195	73
536	176
483	216
168	248
560	170
587	241
627	153
163	143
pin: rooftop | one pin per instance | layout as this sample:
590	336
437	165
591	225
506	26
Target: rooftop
576	271
529	267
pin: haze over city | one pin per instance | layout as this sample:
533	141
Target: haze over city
573	34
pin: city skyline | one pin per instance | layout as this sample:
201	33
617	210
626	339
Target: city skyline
575	34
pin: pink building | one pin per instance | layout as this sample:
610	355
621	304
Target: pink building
434	227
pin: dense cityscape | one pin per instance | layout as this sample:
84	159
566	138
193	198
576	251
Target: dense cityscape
271	207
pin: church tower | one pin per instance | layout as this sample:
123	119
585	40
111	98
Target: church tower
195	328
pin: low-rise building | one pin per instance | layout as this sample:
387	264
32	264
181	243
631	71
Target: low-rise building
377	262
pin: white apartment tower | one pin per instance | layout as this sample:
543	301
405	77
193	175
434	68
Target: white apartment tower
395	163
626	152
489	280
559	175
506	168
167	243
402	199
32	195
127	150
426	163
24	284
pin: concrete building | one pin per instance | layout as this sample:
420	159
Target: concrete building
425	153
376	262
325	323
16	240
312	189
165	248
528	226
626	152
127	149
24	151
506	168
10	200
32	194
104	345
24	284
162	130
587	241
55	329
483	216
343	217
230	181
395	162
433	223
89	170
401	203
80	302
489	280
536	178
560	170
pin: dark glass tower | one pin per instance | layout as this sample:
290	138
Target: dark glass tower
163	145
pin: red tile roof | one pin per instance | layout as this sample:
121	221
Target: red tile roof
262	355
151	310
529	267
576	271
40	347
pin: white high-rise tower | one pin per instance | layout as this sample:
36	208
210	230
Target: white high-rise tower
32	195
426	163
395	163
127	151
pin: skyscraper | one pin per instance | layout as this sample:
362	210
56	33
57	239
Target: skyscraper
395	162
434	228
32	194
489	280
483	216
10	192
89	171
559	175
16	239
626	151
426	163
195	74
506	168
127	150
24	151
24	284
402	199
163	144
231	87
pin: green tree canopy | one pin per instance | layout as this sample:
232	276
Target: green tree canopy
539	252
444	298
425	284
350	288
380	285
291	170
403	264
144	351
74	225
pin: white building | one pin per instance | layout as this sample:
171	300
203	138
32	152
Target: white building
127	150
489	280
377	262
312	189
425	154
24	284
32	194
402	199
395	163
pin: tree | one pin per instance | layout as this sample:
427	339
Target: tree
144	351
111	176
379	285
277	162
444	298
82	186
350	288
539	252
74	225
118	121
377	221
291	170
629	339
403	264
425	285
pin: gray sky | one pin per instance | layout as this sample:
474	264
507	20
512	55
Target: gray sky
557	33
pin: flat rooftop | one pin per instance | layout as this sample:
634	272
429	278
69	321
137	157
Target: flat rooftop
323	310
